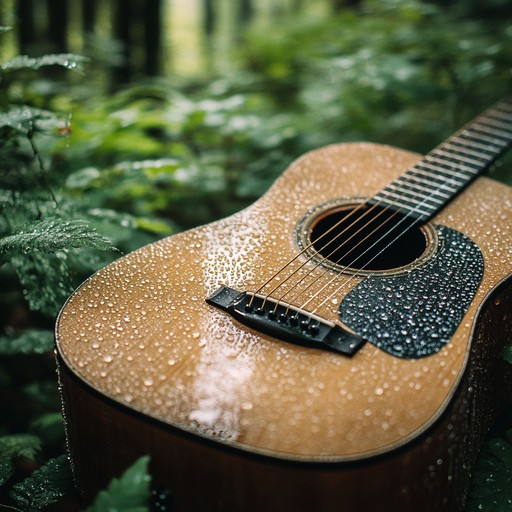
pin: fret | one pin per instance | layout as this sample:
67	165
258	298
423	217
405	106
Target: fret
423	175
435	180
500	115
405	194
491	131
429	174
464	150
455	156
504	106
400	182
450	166
499	124
457	138
412	209
481	137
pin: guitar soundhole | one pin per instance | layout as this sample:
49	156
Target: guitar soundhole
361	238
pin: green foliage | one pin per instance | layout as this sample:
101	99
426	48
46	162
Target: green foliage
51	235
15	446
130	493
66	60
33	341
44	486
492	489
507	354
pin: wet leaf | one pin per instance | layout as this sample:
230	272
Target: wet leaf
66	60
45	486
492	481
130	493
34	341
51	235
14	446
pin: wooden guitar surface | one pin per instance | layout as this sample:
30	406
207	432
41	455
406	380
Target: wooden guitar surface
140	333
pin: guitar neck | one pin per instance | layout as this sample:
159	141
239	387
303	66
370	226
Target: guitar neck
434	181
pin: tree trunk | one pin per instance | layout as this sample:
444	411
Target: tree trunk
246	11
58	24
122	32
26	26
152	36
209	17
89	14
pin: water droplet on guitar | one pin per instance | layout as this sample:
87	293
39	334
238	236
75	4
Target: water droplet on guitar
148	381
107	358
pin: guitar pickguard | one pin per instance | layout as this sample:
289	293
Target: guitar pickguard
415	314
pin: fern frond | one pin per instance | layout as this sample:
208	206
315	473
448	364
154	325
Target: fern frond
44	486
25	120
14	446
34	341
54	234
45	279
66	60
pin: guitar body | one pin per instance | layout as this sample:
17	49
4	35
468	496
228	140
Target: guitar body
234	419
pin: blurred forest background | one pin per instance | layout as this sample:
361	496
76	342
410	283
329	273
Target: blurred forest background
123	121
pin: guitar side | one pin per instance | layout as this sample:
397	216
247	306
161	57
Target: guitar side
158	371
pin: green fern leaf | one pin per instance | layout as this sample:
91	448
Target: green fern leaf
26	120
51	235
45	280
44	486
14	446
66	60
130	493
34	341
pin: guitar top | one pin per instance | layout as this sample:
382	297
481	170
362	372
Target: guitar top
356	356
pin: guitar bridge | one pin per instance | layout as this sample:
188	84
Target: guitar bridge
284	321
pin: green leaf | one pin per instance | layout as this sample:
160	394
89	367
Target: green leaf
26	119
507	354
14	446
33	341
45	279
45	486
66	60
51	235
492	480
49	427
130	493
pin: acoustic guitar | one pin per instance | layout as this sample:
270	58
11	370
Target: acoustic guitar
337	346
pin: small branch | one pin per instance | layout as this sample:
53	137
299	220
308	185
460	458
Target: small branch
44	172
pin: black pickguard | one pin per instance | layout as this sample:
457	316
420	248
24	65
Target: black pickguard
415	314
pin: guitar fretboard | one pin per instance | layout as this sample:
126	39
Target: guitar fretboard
428	186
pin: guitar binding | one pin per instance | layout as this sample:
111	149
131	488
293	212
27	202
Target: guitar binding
284	321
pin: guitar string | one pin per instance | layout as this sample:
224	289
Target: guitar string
319	263
433	192
409	178
297	256
415	221
458	135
